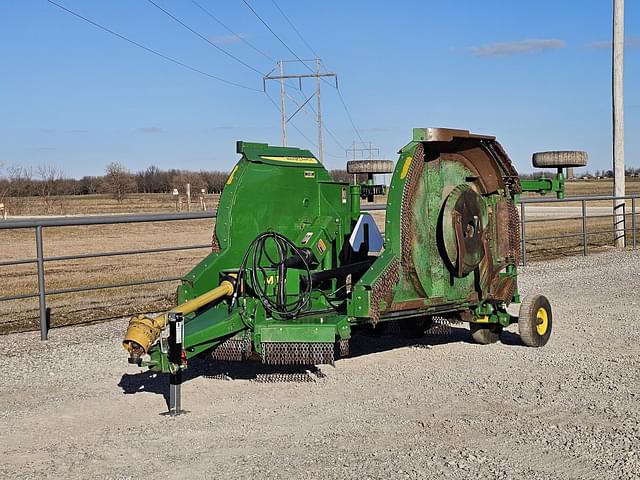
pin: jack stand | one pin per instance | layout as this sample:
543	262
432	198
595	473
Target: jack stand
175	387
176	334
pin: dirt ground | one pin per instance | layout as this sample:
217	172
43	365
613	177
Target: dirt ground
439	407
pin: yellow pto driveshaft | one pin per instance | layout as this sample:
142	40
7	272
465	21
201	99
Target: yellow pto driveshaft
143	331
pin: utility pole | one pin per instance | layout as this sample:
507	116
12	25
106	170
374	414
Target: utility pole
617	60
319	114
282	77
283	104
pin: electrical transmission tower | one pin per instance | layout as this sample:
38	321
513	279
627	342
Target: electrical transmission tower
282	77
352	151
365	153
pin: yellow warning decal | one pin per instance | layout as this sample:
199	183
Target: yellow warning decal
405	167
306	160
321	246
231	175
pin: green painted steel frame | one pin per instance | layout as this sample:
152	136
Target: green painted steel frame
285	190
288	191
544	185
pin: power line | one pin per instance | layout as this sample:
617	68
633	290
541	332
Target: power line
295	29
276	35
346	109
344	104
239	37
232	32
152	51
324	124
292	124
229	54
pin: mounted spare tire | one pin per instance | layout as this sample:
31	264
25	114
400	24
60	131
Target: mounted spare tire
370	166
560	159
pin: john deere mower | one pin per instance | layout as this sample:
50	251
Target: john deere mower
297	267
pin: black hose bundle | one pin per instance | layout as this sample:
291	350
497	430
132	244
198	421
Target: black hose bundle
276	304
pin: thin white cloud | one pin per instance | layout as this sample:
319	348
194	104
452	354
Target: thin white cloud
151	130
522	47
629	42
229	39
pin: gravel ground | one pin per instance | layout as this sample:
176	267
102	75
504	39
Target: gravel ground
442	408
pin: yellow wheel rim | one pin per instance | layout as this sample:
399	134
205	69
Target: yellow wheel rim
542	321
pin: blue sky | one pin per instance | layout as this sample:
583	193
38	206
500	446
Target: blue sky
535	74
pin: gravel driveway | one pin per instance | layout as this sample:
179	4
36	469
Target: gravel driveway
442	408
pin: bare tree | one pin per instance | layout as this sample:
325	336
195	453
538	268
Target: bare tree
118	181
49	176
89	185
4	184
5	188
19	183
21	179
179	178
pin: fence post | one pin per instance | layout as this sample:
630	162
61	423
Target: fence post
524	235
633	221
41	288
584	227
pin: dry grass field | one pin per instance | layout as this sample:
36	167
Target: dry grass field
103	204
599	187
86	307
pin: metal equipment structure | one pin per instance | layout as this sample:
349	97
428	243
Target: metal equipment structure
297	267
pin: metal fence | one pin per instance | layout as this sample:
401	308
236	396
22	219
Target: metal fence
40	260
528	217
583	204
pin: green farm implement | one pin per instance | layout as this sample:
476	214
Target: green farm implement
297	267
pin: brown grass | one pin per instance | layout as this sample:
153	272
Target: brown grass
98	305
105	204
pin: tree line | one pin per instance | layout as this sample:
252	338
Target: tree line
48	181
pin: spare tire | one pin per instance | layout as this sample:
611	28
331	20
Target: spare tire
370	166
560	159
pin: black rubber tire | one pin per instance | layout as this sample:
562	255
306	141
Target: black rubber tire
529	320
370	166
415	327
485	334
560	159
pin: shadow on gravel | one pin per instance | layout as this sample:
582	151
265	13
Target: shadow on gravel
206	367
510	338
367	342
364	342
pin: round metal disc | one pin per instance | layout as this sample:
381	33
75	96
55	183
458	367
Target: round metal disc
463	224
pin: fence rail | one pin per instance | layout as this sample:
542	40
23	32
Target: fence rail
39	224
622	230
